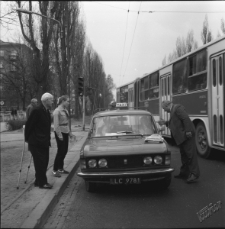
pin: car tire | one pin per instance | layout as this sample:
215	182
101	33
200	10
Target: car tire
165	183
90	187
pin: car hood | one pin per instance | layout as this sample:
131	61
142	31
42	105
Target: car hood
122	146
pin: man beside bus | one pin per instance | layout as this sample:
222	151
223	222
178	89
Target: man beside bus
183	132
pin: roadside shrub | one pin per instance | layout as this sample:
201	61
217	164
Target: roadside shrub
15	124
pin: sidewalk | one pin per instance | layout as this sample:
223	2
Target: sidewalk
32	205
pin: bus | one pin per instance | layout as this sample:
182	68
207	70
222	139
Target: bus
195	80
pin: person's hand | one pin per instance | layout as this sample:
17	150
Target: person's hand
61	138
188	134
161	122
72	137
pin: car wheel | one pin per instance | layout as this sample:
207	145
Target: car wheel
165	183
201	140
90	187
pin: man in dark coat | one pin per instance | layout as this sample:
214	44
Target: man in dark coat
183	132
38	135
30	108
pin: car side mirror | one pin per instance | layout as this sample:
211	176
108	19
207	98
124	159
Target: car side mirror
161	128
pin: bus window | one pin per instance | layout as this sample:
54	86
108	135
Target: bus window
154	85
180	77
124	94
220	70
197	79
214	73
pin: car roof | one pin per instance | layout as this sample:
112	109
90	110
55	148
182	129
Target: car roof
121	112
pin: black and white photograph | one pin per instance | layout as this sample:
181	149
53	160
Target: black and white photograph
112	114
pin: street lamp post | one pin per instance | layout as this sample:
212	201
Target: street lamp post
61	32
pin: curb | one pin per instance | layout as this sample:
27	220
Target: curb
41	212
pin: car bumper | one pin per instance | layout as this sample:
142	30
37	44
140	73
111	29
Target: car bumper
152	174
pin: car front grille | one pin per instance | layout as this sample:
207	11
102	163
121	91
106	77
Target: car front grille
128	162
125	162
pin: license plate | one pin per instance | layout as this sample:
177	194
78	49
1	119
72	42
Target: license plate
129	180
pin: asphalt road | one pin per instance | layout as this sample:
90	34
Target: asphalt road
145	207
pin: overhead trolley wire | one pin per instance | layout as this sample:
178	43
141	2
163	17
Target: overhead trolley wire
125	38
132	40
162	11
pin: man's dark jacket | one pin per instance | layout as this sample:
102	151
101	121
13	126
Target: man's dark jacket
180	123
38	128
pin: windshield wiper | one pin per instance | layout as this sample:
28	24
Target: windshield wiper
129	132
124	132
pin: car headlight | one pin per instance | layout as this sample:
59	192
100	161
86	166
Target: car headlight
147	160
167	160
158	160
102	163
92	163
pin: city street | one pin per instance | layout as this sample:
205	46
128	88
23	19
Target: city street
145	207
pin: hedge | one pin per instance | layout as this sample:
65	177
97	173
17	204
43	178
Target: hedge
15	124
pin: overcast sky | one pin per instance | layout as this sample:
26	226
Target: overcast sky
108	24
132	44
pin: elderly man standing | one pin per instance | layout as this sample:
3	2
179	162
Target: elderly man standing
183	132
38	134
30	108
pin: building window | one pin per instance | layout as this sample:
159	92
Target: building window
180	77
1	76
12	67
1	53
13	55
1	64
197	78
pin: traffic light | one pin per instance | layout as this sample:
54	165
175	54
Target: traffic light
88	91
80	86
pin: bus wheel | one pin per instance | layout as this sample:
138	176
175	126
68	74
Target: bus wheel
201	140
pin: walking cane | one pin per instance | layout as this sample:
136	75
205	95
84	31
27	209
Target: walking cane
21	159
28	168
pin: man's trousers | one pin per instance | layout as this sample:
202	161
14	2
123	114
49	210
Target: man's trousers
41	159
189	158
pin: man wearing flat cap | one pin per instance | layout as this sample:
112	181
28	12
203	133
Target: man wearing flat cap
38	135
183	132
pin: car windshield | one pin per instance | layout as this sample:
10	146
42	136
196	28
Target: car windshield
123	125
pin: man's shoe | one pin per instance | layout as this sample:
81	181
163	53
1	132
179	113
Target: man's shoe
63	171
56	173
180	176
46	186
192	178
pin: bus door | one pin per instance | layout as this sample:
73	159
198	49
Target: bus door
217	64
165	81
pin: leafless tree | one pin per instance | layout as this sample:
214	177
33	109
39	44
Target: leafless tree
40	54
223	25
164	61
17	74
206	34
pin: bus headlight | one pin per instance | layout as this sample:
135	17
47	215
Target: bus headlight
92	163
158	160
